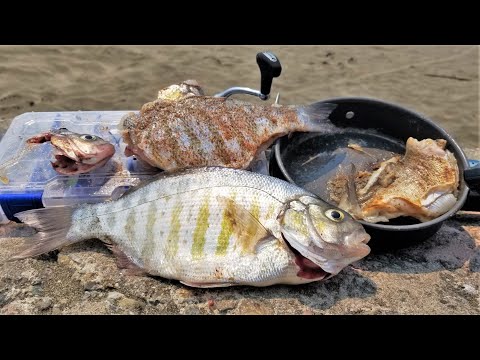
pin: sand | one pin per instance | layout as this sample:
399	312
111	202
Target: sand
438	276
438	81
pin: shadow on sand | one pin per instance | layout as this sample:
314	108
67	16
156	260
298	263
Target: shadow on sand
449	249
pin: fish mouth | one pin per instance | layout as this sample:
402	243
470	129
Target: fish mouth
358	241
66	165
355	249
308	269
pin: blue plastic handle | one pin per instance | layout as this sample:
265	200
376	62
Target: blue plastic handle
13	203
473	163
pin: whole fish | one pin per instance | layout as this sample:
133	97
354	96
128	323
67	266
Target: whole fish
211	227
188	130
422	184
76	153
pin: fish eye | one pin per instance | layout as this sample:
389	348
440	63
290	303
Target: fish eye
88	137
334	215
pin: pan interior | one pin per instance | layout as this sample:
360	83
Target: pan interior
312	159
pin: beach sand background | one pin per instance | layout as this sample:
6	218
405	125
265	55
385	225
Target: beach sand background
438	276
438	81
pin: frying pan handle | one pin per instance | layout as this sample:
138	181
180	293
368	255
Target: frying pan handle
472	178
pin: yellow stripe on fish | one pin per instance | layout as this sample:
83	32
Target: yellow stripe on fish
200	230
129	226
227	225
149	244
255	209
171	246
270	211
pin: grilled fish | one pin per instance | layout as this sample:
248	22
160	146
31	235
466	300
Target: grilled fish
188	130
211	227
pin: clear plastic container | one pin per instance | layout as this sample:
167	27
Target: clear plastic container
33	174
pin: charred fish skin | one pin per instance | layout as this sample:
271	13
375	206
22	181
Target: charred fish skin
215	227
198	131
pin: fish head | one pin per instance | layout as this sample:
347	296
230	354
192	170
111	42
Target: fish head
79	153
324	238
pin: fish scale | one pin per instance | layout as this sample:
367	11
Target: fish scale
185	256
188	252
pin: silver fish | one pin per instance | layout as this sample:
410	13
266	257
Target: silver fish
211	227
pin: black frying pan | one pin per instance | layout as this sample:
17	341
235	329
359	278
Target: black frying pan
378	125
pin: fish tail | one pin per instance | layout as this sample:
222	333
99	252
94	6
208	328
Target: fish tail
52	225
315	116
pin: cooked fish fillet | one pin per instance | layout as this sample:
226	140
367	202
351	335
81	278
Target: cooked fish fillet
422	184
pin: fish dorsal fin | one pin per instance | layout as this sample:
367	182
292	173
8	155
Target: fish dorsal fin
173	173
143	183
248	231
159	176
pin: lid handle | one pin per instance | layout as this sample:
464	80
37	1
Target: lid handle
270	67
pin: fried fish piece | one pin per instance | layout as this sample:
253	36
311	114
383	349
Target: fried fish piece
422	184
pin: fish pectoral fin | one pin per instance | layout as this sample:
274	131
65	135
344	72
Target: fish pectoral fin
259	164
247	229
125	263
207	285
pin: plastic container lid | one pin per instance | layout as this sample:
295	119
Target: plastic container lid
33	171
